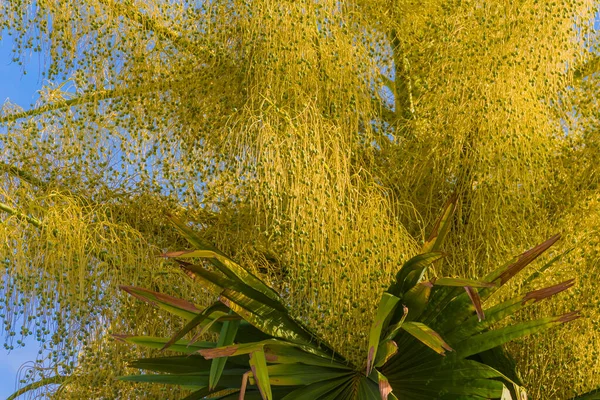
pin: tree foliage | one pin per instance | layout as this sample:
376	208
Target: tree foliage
406	358
313	142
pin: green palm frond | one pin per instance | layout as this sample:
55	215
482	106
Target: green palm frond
430	338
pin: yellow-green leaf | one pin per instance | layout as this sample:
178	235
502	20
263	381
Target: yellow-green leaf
258	365
227	336
385	310
427	336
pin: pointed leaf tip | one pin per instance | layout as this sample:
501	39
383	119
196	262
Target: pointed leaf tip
476	300
172	304
427	336
244	384
224	351
121	337
525	259
384	386
441	226
173	254
458	282
385	310
370	359
387	350
215	308
540	294
258	366
226	338
568	317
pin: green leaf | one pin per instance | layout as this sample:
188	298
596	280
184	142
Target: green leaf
412	271
441	226
182	346
233	350
368	390
476	301
442	298
434	376
276	351
386	350
593	395
195	381
288	353
181	308
350	386
257	306
463	371
300	374
211	325
318	389
427	336
483	388
384	385
503	274
216	283
230	379
448	307
347	391
499	359
211	281
172	365
393	330
447	375
460	282
202	393
258	365
216	308
227	266
254	394
190	235
267	319
416	300
227	336
540	271
500	311
385	310
488	340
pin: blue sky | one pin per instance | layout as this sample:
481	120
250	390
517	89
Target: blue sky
22	90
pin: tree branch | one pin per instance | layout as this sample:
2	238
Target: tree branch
96	96
33	221
24	175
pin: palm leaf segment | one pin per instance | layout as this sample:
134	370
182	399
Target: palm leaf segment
430	339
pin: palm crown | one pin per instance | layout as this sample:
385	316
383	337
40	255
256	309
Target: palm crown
431	338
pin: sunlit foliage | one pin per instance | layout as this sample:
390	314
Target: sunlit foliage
313	141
